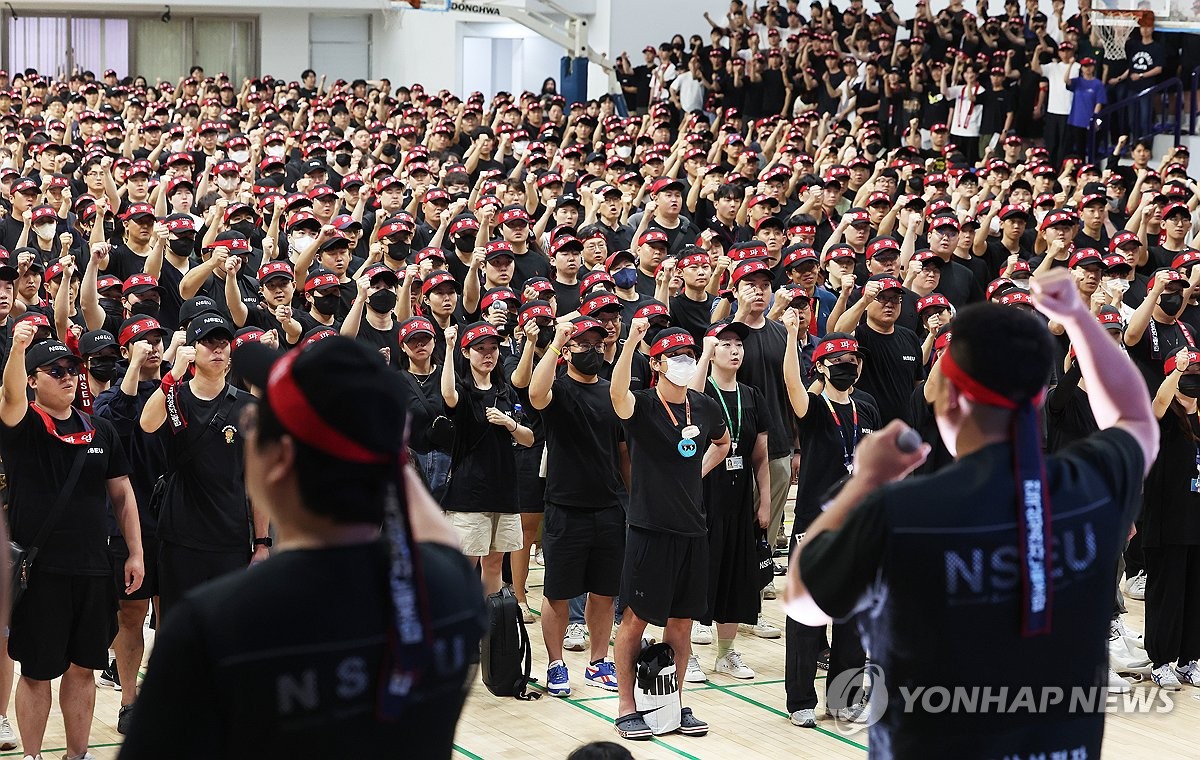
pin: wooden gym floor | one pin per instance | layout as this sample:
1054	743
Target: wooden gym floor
747	718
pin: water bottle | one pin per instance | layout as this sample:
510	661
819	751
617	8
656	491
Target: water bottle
518	414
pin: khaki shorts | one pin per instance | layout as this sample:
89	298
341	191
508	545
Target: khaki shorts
481	533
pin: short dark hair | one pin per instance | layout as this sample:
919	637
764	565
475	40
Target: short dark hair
600	751
987	337
731	191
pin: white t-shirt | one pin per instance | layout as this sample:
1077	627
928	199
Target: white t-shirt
1058	97
660	79
690	91
967	115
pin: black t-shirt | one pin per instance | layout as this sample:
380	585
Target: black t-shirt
940	553
566	295
423	399
283	682
1069	416
124	263
381	339
824	446
1159	342
583	436
1171	509
484	465
205	506
530	264
37	464
146	451
891	370
693	316
666	486
762	367
959	285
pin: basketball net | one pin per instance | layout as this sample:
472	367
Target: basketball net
1115	27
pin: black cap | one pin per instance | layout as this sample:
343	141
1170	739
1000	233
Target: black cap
330	382
45	352
194	307
206	325
95	341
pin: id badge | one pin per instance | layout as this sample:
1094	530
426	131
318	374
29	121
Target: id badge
1195	485
733	464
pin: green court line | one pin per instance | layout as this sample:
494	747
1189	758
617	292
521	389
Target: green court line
466	753
21	753
783	714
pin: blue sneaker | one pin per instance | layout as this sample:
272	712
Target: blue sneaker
557	682
602	674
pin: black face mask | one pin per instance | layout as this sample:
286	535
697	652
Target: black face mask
114	143
459	197
842	376
182	246
146	308
112	308
873	148
389	149
1189	385
1171	303
103	368
110	229
587	362
464	243
545	335
247	228
327	305
399	251
382	301
342	159
652	334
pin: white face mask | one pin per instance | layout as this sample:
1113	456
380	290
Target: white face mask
1116	286
624	151
177	146
520	147
228	184
1022	284
681	370
240	156
45	230
275	150
302	244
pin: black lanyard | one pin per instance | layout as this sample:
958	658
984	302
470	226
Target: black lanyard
847	445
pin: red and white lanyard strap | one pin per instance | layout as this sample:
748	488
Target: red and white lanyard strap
75	439
687	437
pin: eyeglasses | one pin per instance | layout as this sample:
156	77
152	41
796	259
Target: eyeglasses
59	371
585	347
889	300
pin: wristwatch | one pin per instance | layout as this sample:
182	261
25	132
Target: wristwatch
267	542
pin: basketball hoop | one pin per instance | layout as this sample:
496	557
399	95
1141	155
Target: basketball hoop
393	10
1114	27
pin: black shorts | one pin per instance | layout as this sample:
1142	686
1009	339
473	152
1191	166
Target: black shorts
531	486
665	575
181	569
583	549
63	620
118	552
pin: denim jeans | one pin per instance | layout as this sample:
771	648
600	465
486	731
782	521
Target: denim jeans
436	466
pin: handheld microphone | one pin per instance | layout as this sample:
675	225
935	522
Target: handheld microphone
908	441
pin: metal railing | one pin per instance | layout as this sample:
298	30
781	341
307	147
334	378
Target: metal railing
1148	112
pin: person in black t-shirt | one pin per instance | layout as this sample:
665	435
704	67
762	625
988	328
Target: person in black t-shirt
63	623
205	518
245	657
584	534
676	436
1036	626
831	423
1155	333
431	431
893	366
372	318
691	309
481	500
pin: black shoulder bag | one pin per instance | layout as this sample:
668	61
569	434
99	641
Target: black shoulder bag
159	495
21	558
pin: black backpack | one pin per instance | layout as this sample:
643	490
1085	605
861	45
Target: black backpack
506	655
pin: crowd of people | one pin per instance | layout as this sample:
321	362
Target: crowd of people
618	340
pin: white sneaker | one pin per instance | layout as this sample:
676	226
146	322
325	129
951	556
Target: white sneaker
8	737
84	756
1121	629
575	637
1165	678
701	634
694	674
1135	587
768	591
852	714
1125	654
1189	674
804	718
1116	684
538	558
731	665
526	615
761	629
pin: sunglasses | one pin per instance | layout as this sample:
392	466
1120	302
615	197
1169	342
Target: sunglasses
59	371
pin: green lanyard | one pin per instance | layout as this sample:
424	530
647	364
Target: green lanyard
734	432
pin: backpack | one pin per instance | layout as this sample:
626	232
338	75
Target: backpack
506	655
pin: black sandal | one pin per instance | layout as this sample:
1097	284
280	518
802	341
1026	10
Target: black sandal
632	726
690	725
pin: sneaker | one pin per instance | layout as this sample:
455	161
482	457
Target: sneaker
602	675
1125	631
526	615
804	718
731	665
1165	678
761	629
782	540
1116	684
575	637
109	677
84	756
690	725
557	682
124	718
1135	587
1189	673
701	634
538	558
694	674
8	737
768	591
823	660
852	714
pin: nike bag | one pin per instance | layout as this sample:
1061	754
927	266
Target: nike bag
505	654
656	694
